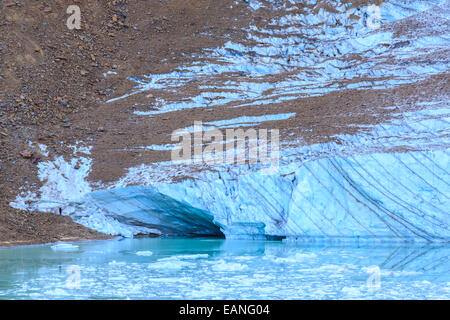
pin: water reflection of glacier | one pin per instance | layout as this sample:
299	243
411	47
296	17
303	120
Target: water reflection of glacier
215	269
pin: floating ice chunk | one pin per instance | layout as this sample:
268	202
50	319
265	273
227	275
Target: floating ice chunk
170	265
115	263
186	257
65	247
351	291
298	257
144	253
223	266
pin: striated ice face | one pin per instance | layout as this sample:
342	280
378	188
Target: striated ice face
372	197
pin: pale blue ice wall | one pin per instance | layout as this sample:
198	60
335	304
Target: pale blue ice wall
395	196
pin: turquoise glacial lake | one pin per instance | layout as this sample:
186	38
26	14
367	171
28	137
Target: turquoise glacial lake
223	269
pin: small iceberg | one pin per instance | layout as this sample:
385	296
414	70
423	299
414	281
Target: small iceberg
65	247
144	253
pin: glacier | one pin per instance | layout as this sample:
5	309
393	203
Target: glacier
389	182
373	197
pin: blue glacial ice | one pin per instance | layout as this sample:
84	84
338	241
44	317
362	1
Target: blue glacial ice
377	196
